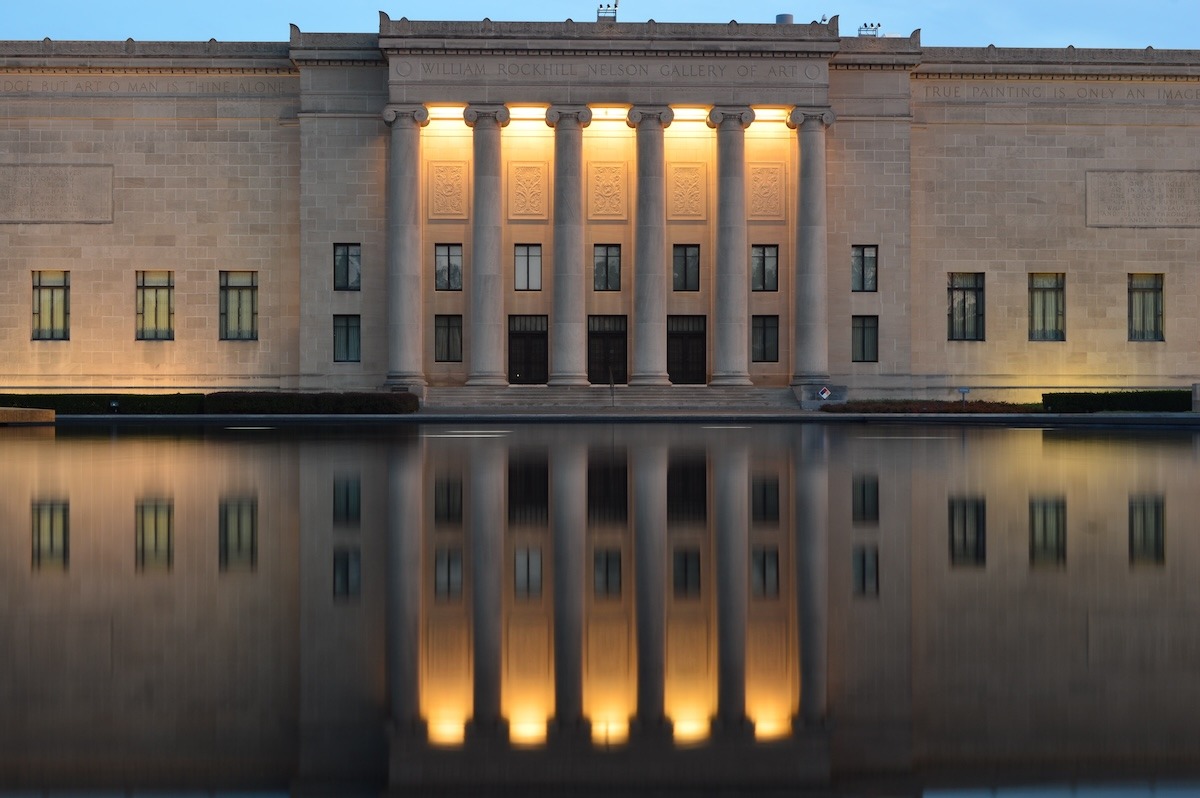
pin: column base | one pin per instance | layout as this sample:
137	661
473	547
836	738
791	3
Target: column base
487	380
651	380
733	729
733	380
811	394
570	734
652	732
410	383
568	380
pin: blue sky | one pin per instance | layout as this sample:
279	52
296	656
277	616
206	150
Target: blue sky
1163	24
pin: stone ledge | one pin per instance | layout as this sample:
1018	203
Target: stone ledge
25	415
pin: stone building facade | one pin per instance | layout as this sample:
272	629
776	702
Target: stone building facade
450	204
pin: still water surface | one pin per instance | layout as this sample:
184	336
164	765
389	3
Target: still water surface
848	609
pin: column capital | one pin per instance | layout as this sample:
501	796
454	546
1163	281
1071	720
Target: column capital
741	115
476	112
640	113
809	117
415	114
581	113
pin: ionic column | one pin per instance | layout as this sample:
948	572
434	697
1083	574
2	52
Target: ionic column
568	486
810	469
731	340
732	483
485	325
568	330
405	268
650	248
810	345
486	513
405	491
649	467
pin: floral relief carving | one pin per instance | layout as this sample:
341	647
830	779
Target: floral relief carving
765	195
527	191
607	195
448	193
687	194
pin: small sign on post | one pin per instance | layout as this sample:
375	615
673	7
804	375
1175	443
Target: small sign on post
964	392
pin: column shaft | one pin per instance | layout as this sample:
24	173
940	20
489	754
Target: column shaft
405	270
732	477
810	346
487	479
811	470
486	333
568	331
405	491
650	249
731	296
650	573
568	483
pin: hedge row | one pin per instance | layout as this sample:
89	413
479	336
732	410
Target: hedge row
222	403
1179	401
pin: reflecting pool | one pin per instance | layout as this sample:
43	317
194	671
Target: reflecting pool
844	609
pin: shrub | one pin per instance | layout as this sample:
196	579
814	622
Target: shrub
1178	401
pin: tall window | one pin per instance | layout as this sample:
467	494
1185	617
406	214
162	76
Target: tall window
448	267
447	339
764	571
1048	532
155	300
347	573
1047	307
51	535
764	267
529	490
347	267
447	500
608	491
528	267
51	306
239	306
685	273
347	339
237	537
864	339
968	531
527	572
447	573
687	490
607	261
863	270
686	572
865	504
764	339
764	500
866	570
154	539
606	573
1146	530
347	500
1145	307
965	312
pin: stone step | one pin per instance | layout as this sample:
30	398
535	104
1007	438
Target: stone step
601	396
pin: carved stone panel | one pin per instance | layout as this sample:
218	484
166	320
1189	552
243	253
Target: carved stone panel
528	185
765	192
1143	199
687	191
448	190
52	193
607	191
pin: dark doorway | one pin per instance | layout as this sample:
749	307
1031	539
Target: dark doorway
607	350
528	350
686	353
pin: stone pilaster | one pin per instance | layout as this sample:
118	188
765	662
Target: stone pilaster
731	339
810	317
650	248
568	328
405	266
486	333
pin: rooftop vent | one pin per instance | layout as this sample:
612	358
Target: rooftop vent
783	19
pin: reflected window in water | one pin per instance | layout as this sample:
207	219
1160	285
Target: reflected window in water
155	543
1146	530
447	573
968	531
764	500
764	571
347	573
608	491
347	500
1048	532
607	573
866	571
687	573
687	490
238	535
51	535
447	500
866	499
528	491
527	578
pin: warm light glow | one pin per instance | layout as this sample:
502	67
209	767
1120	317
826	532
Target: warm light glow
609	113
770	114
447	731
690	114
610	731
771	728
439	113
691	729
527	730
525	113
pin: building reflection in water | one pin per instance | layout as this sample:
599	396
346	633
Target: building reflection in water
764	605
